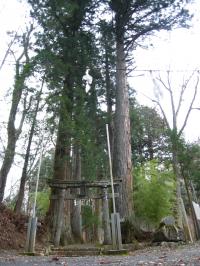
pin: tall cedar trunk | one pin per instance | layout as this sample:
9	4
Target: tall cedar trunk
109	103
59	210
20	197
176	168
61	172
122	164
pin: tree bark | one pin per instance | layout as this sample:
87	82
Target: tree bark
7	162
109	103
177	206
62	171
122	164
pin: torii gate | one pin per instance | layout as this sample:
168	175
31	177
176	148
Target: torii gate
81	190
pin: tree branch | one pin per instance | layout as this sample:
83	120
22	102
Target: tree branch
196	108
25	110
172	102
8	50
183	89
190	107
163	113
161	109
169	89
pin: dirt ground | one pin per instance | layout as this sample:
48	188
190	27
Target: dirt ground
179	256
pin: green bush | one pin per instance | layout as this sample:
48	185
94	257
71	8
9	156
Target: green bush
154	192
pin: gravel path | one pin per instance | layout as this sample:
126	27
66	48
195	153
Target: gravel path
184	255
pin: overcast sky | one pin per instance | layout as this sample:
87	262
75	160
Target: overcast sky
177	51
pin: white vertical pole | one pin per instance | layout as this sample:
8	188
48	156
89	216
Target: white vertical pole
38	176
111	173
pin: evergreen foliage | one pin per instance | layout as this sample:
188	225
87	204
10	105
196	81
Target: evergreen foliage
149	135
139	18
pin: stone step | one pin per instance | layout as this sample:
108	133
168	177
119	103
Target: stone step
76	252
73	251
115	252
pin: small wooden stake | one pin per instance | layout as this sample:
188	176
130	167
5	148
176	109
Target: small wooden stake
116	231
31	235
28	234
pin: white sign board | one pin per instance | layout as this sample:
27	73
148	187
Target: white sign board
196	209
